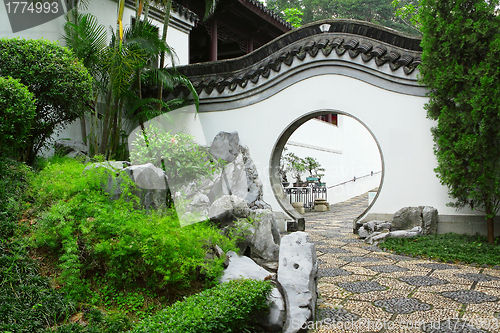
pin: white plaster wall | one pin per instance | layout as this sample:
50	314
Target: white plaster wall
355	154
51	30
397	121
106	13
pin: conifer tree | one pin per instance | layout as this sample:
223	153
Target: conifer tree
461	68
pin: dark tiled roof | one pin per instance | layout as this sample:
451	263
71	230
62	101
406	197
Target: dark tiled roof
269	12
370	42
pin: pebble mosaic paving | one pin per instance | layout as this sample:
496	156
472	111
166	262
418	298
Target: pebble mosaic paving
363	289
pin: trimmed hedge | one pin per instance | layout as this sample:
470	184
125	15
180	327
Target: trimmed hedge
62	86
228	307
17	110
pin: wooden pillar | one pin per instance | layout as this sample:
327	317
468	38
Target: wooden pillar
250	45
213	44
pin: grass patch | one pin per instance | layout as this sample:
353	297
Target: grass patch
27	301
448	247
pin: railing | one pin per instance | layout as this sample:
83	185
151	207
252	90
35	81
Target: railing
306	194
355	178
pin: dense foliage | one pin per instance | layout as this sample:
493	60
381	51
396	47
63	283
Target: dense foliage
376	11
61	86
120	70
27	301
178	155
229	307
17	110
100	241
461	68
447	247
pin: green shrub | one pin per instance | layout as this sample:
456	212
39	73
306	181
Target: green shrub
17	110
229	307
446	247
98	238
61	85
182	159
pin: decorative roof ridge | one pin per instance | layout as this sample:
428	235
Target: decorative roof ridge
356	38
159	13
183	11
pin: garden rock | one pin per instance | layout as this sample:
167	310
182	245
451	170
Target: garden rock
240	176
65	147
244	267
368	228
417	231
421	216
261	237
225	146
407	218
429	220
377	237
297	274
151	185
225	210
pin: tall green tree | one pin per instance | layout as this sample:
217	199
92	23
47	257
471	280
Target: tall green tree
461	68
376	11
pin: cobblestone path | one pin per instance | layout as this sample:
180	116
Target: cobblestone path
364	289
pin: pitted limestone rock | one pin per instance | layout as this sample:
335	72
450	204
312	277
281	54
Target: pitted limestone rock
362	286
225	146
240	176
402	305
469	296
387	268
297	274
420	281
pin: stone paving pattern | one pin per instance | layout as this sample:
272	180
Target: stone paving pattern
366	290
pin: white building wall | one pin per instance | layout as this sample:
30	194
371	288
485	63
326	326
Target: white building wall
345	151
397	121
106	13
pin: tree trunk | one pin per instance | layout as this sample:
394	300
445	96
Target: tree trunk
166	22
83	126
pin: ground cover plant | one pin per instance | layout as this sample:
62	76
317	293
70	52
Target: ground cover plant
109	253
448	247
229	307
27	302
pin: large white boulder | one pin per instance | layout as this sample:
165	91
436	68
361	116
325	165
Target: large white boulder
297	274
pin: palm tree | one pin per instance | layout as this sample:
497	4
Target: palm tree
120	69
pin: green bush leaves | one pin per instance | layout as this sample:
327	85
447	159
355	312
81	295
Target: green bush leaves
229	307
